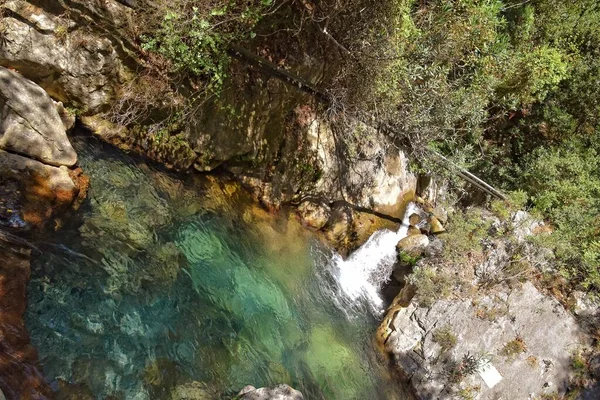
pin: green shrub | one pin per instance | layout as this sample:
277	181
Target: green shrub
194	35
445	338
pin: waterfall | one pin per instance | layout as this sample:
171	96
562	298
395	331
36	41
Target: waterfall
361	275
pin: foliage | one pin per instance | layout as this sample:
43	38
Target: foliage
194	35
467	366
445	338
508	88
565	182
431	284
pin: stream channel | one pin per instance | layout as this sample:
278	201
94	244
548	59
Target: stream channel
163	283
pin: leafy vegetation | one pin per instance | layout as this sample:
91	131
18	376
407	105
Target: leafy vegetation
514	348
194	35
507	88
445	338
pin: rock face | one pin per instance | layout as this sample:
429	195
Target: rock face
34	155
19	375
73	65
82	54
279	392
30	123
514	345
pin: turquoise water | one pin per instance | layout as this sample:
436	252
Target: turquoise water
161	287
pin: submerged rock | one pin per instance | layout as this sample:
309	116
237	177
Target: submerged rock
193	391
279	392
20	377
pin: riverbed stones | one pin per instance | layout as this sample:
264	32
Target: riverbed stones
413	245
279	392
30	124
19	374
193	391
545	332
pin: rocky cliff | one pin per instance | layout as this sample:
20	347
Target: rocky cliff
261	129
473	325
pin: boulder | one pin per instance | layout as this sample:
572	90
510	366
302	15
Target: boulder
38	190
436	225
413	245
30	124
315	215
77	66
279	392
518	343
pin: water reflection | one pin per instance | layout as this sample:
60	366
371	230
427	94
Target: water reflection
168	289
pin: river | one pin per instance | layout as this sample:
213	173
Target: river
161	283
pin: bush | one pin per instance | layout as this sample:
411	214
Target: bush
445	338
193	35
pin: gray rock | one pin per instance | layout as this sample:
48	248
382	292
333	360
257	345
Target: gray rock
483	329
279	392
30	123
74	66
582	304
524	225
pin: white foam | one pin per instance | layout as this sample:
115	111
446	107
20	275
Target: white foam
361	275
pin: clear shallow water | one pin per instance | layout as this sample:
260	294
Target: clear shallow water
159	286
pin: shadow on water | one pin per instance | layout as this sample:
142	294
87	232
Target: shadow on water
162	285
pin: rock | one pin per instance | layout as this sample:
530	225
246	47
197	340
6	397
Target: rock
524	225
30	124
337	230
436	225
413	230
77	67
413	245
405	333
192	391
414	219
20	377
540	364
583	305
41	190
279	392
441	214
313	214
66	117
